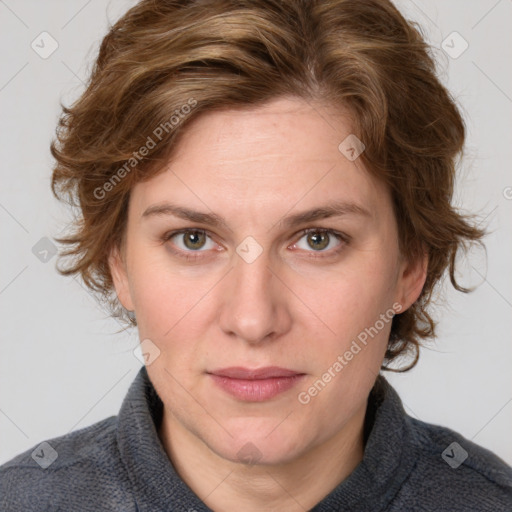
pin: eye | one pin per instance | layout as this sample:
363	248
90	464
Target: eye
321	240
188	240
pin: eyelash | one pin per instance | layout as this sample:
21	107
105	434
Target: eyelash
192	256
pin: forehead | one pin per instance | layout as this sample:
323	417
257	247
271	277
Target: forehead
261	160
288	129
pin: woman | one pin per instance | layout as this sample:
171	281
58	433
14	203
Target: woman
266	194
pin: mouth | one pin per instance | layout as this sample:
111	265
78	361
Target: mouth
255	385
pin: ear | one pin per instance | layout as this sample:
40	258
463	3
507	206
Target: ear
411	278
117	265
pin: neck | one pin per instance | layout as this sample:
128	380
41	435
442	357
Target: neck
297	485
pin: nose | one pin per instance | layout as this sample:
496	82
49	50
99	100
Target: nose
255	304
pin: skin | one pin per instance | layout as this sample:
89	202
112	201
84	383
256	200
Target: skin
286	308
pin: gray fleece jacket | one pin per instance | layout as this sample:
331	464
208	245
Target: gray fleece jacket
119	464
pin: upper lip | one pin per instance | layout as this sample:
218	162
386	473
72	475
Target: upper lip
238	372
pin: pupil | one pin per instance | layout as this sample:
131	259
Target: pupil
318	237
193	238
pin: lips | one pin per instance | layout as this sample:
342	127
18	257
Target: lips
238	372
255	385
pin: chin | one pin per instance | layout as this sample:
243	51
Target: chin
254	445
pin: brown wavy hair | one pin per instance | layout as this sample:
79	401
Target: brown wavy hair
167	61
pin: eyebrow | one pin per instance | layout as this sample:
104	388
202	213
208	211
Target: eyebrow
333	209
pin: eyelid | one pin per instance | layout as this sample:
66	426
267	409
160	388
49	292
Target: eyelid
344	238
171	234
314	229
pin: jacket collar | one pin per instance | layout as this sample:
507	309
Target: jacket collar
389	454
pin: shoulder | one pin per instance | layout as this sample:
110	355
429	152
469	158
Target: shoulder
73	469
455	473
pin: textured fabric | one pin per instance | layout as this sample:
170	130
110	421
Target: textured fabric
120	464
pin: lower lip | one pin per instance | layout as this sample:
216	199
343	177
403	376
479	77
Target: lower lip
256	390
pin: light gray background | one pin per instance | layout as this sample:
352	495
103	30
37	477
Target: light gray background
62	367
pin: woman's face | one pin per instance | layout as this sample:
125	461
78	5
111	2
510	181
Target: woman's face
239	286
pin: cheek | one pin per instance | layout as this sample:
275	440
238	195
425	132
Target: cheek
174	306
352	296
334	303
346	362
161	297
349	305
